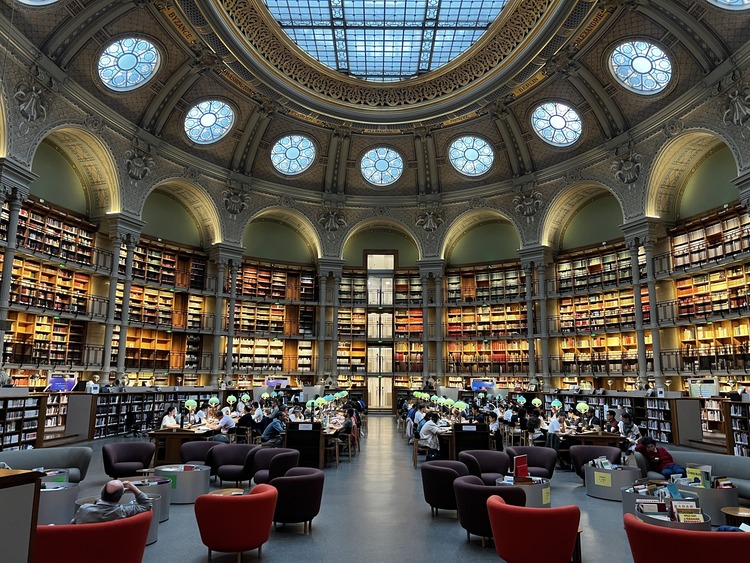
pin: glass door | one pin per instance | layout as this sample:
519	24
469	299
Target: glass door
379	392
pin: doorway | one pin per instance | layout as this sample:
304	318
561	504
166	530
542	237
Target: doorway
379	393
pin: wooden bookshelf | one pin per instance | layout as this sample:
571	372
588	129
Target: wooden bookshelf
601	352
407	290
408	357
353	289
351	357
490	321
595	268
51	287
148	349
44	340
21	418
720	346
275	282
158	263
600	311
408	324
495	283
738	433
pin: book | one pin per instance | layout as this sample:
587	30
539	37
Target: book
521	466
699	475
690	518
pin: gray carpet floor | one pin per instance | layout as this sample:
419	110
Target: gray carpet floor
373	509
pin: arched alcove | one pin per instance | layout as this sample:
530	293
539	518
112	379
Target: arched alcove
676	165
710	186
57	179
168	218
568	204
491	242
269	238
382	237
594	222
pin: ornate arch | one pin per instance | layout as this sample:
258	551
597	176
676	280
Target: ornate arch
94	163
198	203
293	219
469	220
672	166
564	205
388	223
4	139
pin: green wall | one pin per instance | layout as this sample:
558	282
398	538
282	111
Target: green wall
166	218
58	182
380	239
491	242
595	222
270	240
710	185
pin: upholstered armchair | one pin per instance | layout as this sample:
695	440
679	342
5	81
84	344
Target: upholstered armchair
273	462
235	462
437	483
541	460
489	465
300	493
123	459
581	455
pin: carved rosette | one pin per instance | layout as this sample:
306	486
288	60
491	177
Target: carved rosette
528	205
673	127
477	202
235	201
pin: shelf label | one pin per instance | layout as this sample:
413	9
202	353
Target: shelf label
469	428
305	426
602	479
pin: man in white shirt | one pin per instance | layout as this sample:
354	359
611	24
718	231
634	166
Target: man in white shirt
430	435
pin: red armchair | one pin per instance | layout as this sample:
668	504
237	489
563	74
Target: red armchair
254	510
656	543
91	543
516	529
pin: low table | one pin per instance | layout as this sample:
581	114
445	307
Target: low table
57	503
54	475
608	483
538	494
158	486
228	492
188	481
736	515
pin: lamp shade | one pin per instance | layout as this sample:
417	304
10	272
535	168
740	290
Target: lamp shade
556	403
582	407
213	401
521	400
245	398
231	399
191	404
536	401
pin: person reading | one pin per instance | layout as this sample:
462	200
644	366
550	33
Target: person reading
108	506
659	459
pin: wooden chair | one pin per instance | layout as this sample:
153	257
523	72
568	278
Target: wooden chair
417	449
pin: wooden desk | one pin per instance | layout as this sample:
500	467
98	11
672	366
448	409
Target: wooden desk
169	440
470	437
596	439
19	489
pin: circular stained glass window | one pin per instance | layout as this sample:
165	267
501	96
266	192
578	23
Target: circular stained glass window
557	124
37	2
471	156
293	154
731	4
208	121
128	63
382	166
641	67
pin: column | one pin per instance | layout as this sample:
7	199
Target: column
425	279
544	323
221	266
322	300
230	318
334	326
648	246
529	273
109	324
15	201
124	318
633	245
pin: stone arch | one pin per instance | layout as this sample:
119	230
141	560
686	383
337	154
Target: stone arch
469	220
564	205
293	219
197	202
4	137
94	163
672	166
383	222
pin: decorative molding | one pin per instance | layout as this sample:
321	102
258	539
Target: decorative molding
138	163
235	201
737	109
430	218
627	170
673	127
528	205
31	105
332	219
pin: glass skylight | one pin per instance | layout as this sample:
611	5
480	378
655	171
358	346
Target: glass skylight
37	2
382	166
641	67
293	154
208	121
384	40
557	124
128	63
471	156
732	4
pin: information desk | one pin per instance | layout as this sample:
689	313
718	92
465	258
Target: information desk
188	481
57	503
169	440
712	501
538	494
608	483
307	438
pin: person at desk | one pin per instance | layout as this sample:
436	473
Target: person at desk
475	415
246	419
202	414
557	434
610	423
273	435
169	420
225	425
591	421
629	431
429	436
108	507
